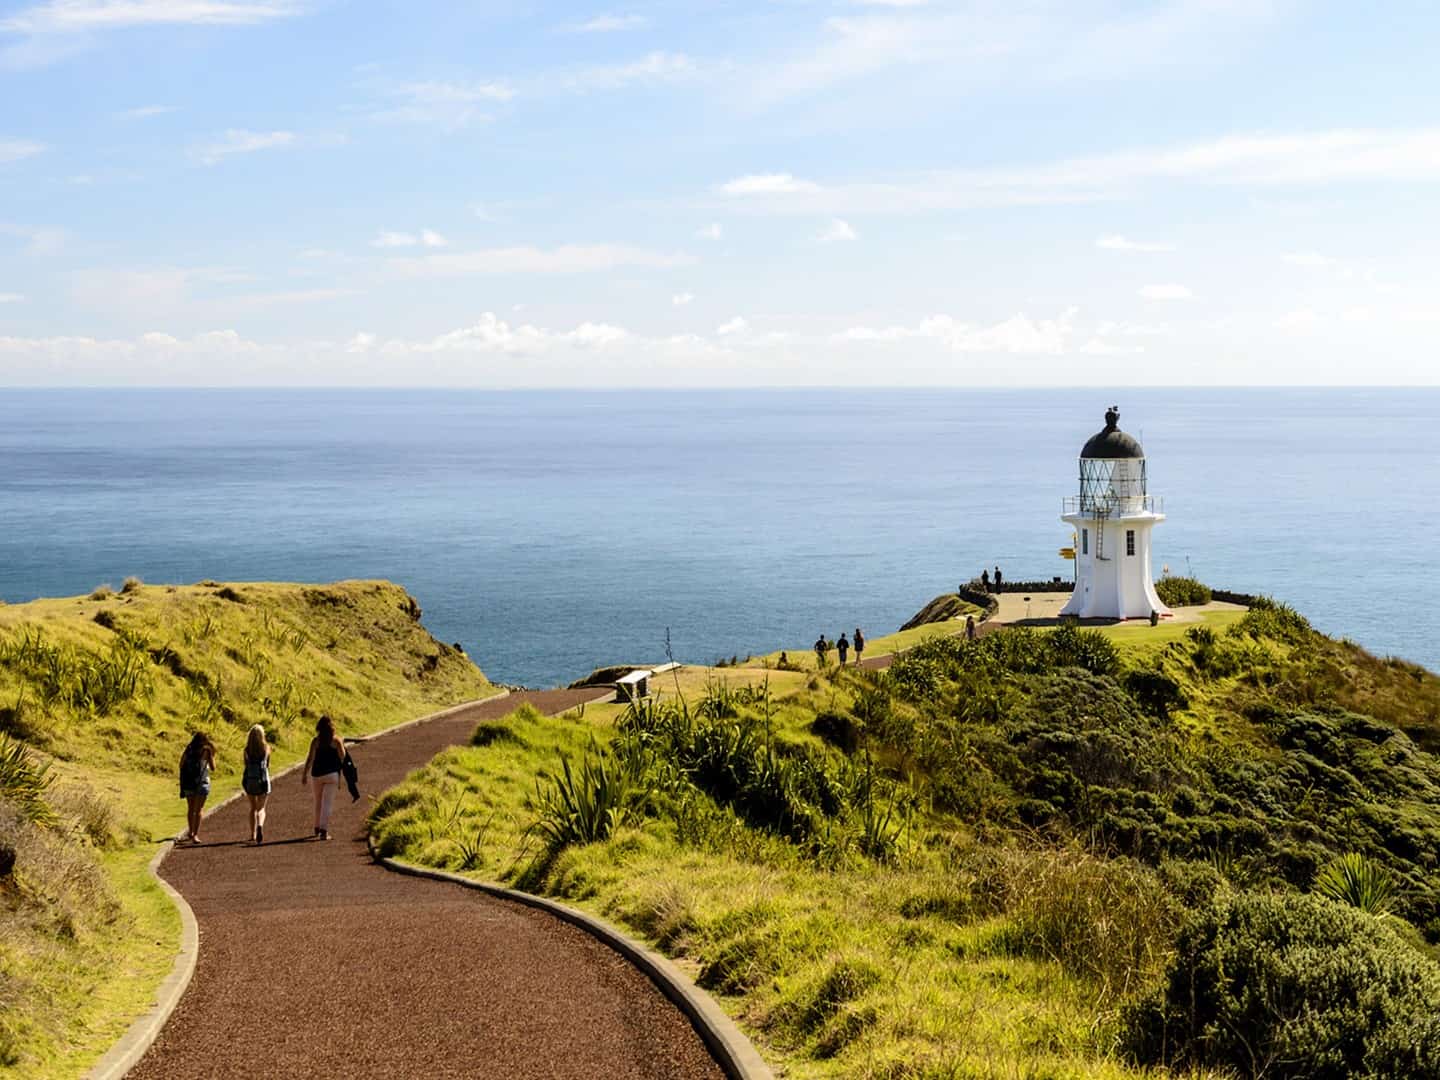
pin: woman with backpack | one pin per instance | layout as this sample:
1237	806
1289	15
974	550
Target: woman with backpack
327	754
256	780
197	761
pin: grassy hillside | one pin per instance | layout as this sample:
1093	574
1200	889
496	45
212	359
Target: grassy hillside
97	697
1038	854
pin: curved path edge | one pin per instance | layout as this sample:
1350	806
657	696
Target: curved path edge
145	1029
727	1044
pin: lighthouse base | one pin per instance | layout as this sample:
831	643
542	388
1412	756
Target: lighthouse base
1113	579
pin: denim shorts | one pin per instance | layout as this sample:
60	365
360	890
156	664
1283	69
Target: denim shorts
203	791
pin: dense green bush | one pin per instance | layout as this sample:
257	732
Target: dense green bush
1291	986
1182	591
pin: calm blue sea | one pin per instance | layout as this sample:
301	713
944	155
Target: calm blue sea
550	532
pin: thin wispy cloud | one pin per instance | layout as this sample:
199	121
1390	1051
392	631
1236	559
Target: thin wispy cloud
424	238
239	141
1115	242
18	149
656	67
681	299
838	231
448	104
144	112
11	298
1166	292
606	24
37	239
732	327
1257	161
713	231
566	259
768	184
82	16
1310	259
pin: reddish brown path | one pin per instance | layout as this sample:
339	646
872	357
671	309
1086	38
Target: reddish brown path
316	962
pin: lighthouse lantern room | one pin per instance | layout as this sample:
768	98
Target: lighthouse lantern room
1112	518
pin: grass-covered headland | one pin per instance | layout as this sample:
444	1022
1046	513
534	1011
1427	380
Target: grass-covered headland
97	697
1213	850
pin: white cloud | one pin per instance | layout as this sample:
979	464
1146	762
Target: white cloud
606	24
837	231
681	299
18	149
654	67
1310	259
239	141
450	105
1166	292
78	16
144	112
1019	334
1099	347
11	298
768	184
1264	161
566	259
1114	242
39	239
713	231
424	238
731	327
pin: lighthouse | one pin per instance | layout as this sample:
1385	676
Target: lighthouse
1112	518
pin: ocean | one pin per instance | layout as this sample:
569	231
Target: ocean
549	532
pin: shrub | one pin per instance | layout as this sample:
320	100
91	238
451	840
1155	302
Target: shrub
1355	880
102	592
585	805
132	584
1110	921
1182	591
1287	986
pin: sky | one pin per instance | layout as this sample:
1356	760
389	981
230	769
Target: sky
746	193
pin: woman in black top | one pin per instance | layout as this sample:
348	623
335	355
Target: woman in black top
327	751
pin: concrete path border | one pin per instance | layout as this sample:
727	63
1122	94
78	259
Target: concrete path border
145	1029
732	1051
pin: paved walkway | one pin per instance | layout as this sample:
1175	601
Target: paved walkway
316	962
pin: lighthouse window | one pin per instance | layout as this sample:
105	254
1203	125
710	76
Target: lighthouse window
1084	541
1129	541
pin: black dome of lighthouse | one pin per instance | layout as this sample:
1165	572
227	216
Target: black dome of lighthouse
1112	442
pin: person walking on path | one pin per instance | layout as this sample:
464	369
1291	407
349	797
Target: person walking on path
197	761
998	579
985	580
843	646
327	751
256	780
969	627
859	642
821	648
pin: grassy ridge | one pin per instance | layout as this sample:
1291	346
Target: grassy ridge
982	863
102	692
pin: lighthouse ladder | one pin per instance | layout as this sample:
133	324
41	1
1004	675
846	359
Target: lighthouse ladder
1102	511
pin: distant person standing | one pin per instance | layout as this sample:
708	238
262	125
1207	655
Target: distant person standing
327	752
969	627
256	780
998	579
985	580
197	761
843	646
821	648
859	642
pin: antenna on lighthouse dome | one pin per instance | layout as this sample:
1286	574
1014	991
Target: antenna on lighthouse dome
1112	418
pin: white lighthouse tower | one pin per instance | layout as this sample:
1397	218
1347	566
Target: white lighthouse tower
1112	518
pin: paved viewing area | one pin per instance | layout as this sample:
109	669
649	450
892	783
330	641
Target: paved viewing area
316	961
1041	607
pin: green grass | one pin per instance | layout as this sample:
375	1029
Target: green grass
87	935
1071	796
